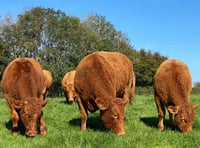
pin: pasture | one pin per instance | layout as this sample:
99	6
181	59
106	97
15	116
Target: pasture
63	123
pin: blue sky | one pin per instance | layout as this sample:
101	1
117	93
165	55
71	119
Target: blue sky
170	27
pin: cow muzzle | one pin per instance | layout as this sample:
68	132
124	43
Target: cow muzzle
121	133
70	100
186	129
31	133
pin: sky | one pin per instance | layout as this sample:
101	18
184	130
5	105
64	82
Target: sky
170	27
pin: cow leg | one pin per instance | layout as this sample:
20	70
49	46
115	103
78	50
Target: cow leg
84	114
65	93
14	115
161	112
171	119
43	128
127	95
132	89
15	120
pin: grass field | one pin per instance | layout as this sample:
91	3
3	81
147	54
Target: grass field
63	123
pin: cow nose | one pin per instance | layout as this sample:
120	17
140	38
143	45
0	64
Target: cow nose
31	133
121	133
189	129
71	101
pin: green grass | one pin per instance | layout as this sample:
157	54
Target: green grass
63	123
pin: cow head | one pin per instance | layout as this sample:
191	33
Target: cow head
70	93
47	78
112	114
184	116
30	111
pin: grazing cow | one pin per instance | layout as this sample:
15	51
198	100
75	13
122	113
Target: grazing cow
47	80
172	87
132	92
68	86
103	81
23	84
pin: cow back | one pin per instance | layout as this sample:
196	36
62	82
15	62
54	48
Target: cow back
22	79
47	78
103	74
173	81
68	78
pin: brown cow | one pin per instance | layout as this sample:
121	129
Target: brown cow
68	86
172	87
23	84
47	80
132	92
103	81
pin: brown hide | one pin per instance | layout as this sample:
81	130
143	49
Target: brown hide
47	80
172	87
22	84
103	81
68	86
132	91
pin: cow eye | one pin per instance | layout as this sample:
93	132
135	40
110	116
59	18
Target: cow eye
115	116
184	121
27	116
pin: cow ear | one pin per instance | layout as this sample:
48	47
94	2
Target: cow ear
195	106
173	109
65	86
44	90
44	102
101	104
18	104
125	101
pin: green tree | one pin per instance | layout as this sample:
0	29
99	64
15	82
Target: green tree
109	38
59	42
146	65
104	30
4	52
196	88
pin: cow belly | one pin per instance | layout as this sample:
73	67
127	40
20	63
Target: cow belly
91	106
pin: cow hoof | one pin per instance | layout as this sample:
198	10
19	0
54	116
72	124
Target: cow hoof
14	133
121	134
160	128
43	131
31	133
83	129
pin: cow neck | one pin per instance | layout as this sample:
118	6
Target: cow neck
184	104
182	100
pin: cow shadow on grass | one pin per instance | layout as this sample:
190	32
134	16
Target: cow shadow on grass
153	121
21	127
93	123
67	103
63	102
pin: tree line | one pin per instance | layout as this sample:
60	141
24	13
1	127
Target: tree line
59	42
